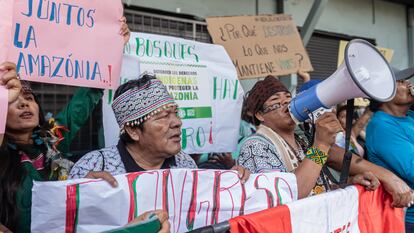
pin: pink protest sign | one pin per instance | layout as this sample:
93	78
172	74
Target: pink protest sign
70	42
6	19
3	105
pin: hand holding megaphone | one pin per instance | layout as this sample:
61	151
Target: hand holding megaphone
327	126
364	73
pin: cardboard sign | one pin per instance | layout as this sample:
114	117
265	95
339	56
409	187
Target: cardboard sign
387	53
192	198
65	42
261	45
202	80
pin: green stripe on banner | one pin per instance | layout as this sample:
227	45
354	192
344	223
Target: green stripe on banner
195	112
134	186
77	208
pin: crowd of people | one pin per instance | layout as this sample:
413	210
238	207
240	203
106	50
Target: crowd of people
150	139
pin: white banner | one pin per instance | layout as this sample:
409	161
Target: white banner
335	211
349	210
202	79
193	198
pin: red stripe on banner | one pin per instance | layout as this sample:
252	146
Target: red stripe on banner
71	208
193	203
72	205
165	176
243	200
216	197
376	215
132	177
275	220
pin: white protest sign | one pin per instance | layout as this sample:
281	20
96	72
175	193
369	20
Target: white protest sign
201	78
193	198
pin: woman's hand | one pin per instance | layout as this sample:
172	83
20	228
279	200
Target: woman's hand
124	31
305	76
162	217
366	179
8	78
402	194
244	174
327	126
103	175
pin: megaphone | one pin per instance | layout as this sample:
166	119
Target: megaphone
364	73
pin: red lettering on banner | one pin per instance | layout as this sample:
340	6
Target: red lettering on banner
269	195
132	178
216	197
208	208
279	196
243	200
165	175
181	201
71	208
72	205
343	229
193	203
218	189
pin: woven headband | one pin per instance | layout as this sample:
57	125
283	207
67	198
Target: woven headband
137	104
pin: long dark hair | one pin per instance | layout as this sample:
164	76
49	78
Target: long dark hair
12	175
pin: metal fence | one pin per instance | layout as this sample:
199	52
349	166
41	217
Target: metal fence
167	25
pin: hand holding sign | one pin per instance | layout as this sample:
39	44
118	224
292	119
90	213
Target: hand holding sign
9	91
124	31
8	78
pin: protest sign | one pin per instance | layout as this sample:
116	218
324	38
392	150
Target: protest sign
6	17
3	112
65	42
202	80
6	13
193	198
387	53
261	45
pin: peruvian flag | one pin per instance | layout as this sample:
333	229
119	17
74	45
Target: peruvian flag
352	210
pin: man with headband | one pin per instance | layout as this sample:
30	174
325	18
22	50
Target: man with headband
150	134
390	135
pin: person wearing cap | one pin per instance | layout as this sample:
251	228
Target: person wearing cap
275	146
149	138
390	135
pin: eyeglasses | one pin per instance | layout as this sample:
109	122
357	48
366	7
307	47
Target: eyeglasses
271	107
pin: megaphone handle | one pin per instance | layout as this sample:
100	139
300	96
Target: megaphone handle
346	162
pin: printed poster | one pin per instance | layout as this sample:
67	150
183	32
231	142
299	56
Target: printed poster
201	78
